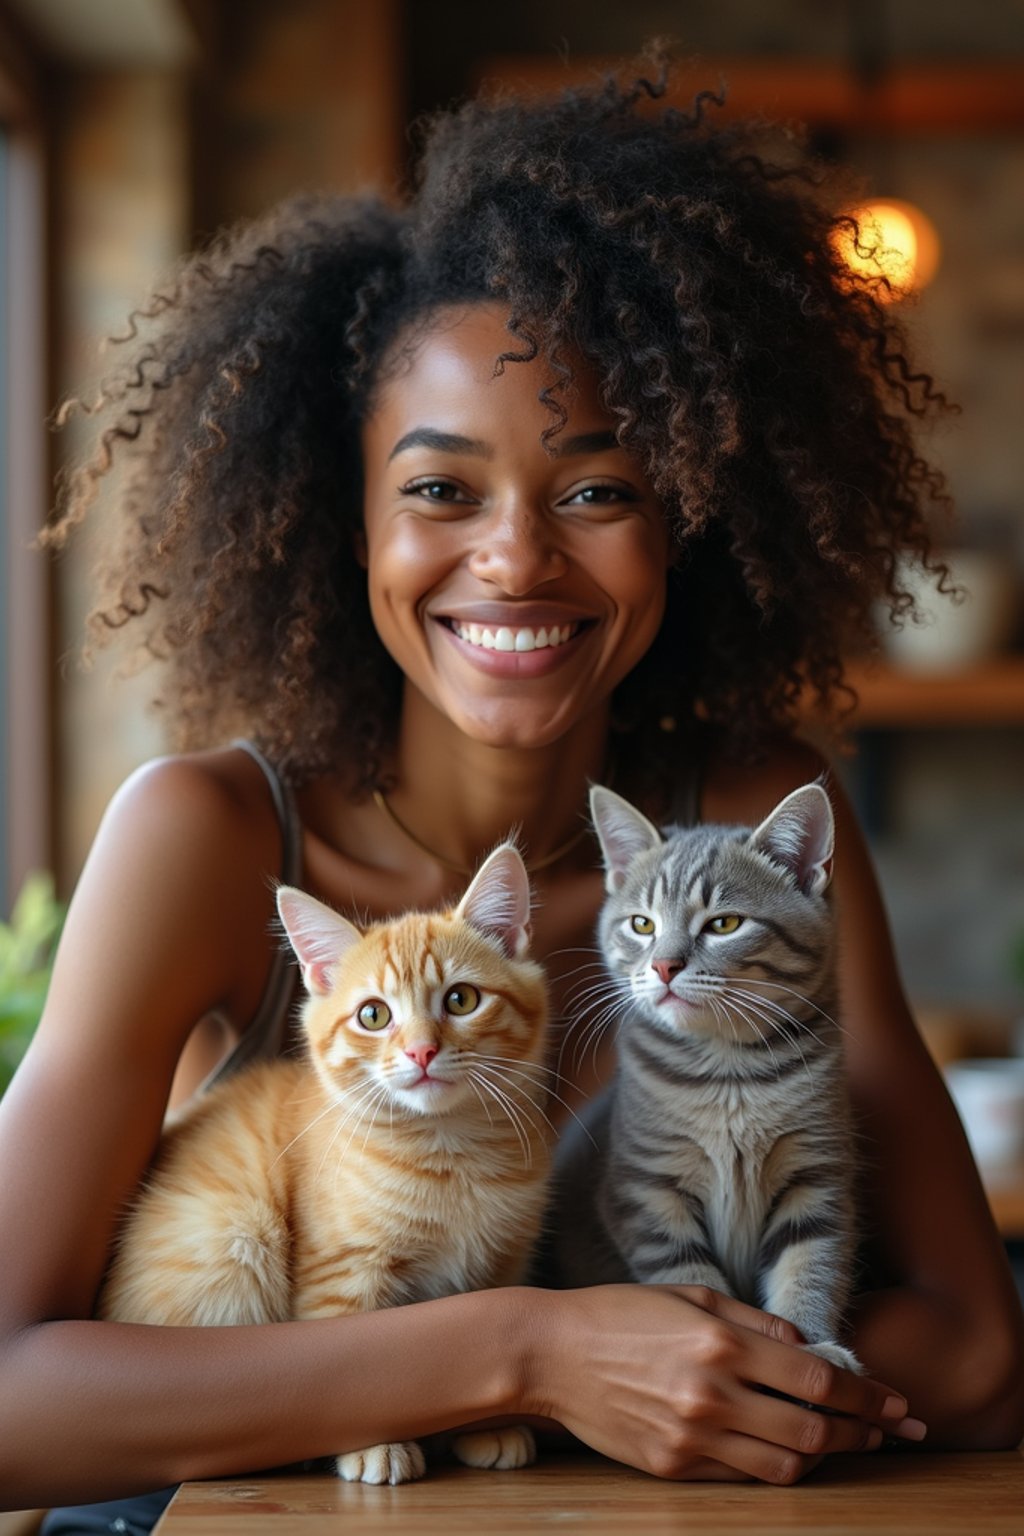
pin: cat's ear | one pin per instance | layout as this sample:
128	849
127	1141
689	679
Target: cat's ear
800	834
623	832
498	900
318	935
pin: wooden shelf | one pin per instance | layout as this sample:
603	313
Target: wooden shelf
924	97
1005	1190
989	694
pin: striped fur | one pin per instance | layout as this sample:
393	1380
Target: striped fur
308	1189
722	1152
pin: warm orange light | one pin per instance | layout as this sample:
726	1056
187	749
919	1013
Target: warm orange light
896	241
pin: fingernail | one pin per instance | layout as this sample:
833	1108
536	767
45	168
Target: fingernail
894	1407
911	1429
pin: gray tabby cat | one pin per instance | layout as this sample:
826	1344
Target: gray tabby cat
723	1147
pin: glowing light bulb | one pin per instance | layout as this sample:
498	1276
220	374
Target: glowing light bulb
895	241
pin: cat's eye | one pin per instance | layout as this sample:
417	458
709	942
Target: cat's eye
727	923
641	924
374	1015
461	999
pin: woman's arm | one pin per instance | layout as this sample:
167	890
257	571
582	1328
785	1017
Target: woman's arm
945	1324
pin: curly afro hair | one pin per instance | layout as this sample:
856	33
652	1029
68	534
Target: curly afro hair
766	393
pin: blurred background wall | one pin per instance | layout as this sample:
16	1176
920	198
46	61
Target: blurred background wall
133	128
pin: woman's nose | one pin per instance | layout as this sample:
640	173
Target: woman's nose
518	551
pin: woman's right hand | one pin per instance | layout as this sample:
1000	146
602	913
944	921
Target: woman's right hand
669	1379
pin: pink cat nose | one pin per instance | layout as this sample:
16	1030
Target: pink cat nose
666	969
422	1055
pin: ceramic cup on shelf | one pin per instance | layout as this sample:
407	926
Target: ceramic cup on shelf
988	1092
952	634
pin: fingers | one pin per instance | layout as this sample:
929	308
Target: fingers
807	1379
762	1461
739	1313
800	1376
793	1427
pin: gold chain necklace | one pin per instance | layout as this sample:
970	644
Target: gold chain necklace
380	800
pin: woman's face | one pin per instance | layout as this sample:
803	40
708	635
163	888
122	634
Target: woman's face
515	587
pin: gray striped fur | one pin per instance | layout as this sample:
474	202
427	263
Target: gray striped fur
722	1151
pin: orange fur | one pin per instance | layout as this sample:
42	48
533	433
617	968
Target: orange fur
315	1188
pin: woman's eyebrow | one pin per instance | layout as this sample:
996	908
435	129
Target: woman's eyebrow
443	442
454	442
585	442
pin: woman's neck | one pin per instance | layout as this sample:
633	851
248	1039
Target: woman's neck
459	796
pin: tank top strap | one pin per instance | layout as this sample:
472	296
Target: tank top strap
265	1034
687	782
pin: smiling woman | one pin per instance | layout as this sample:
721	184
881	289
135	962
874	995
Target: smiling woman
579	466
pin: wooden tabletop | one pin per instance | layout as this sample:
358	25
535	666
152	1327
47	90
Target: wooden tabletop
911	1494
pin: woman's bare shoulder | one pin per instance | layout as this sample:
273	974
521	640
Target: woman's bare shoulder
222	794
173	907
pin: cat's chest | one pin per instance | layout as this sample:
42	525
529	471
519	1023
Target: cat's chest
434	1213
734	1141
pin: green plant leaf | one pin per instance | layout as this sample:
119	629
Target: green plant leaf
27	945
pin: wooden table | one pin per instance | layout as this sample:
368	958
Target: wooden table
907	1494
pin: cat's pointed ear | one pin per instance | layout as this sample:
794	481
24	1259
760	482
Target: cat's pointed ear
800	834
498	900
623	832
318	935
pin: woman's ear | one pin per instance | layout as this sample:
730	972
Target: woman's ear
359	549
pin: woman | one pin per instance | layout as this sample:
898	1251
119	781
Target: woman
601	385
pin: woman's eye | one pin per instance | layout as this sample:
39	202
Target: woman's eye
728	923
435	490
374	1015
600	496
461	999
641	924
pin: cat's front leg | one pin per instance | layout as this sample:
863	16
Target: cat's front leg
661	1230
500	1449
805	1264
326	1291
400	1461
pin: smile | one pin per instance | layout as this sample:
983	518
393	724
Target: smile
519	639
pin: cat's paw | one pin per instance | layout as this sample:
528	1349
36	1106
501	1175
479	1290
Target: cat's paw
497	1448
837	1354
399	1462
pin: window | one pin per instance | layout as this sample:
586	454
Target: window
24	680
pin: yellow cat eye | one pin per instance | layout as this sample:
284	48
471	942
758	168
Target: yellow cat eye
461	999
374	1015
728	923
641	924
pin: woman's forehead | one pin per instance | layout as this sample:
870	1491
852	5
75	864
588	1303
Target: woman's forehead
449	383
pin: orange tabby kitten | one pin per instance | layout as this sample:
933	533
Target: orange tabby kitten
406	1159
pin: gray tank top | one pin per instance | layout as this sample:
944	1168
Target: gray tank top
266	1033
685	810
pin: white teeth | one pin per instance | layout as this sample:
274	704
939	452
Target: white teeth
520	639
